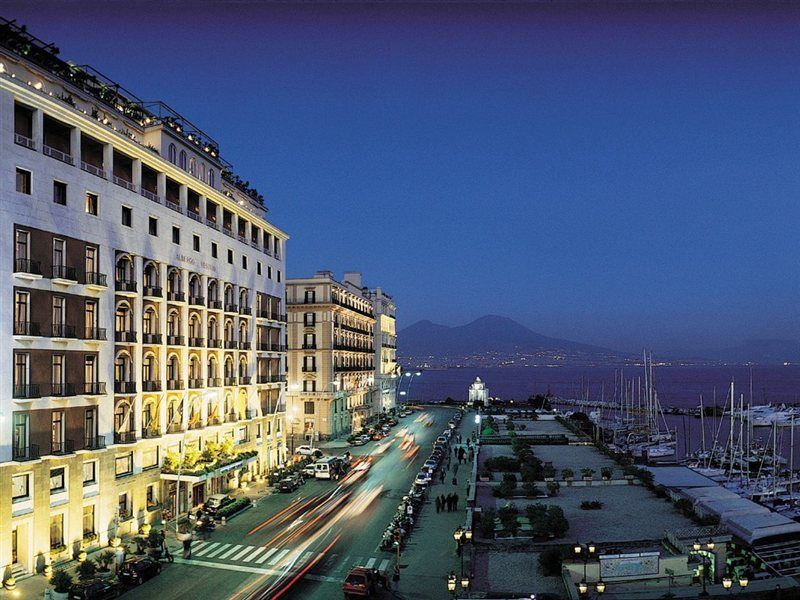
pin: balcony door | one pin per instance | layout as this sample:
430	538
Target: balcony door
59	252
57	430
21	245
90	426
90	369
20	433
91	260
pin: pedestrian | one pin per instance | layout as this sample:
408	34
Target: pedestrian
438	504
468	488
455	501
443	502
449	502
441	475
455	480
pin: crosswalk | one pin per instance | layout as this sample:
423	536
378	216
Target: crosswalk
263	557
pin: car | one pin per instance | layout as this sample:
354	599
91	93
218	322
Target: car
308	470
215	502
360	441
422	479
386	427
308	451
441	439
378	436
432	464
138	570
95	589
392	422
290	483
363	582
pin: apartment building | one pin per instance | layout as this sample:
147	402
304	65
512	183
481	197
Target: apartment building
387	370
142	312
331	357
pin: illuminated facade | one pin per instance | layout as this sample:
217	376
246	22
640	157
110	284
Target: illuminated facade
142	312
386	368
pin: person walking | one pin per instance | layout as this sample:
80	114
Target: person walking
441	475
455	480
449	500
455	501
438	504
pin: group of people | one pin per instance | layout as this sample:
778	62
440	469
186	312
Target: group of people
447	503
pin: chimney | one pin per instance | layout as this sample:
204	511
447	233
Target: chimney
353	278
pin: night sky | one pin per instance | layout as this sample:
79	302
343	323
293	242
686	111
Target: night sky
617	175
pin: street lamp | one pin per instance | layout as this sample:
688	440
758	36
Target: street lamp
464	582
451	582
727	582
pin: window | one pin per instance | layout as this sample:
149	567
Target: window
58	312
172	153
182	160
230	257
310	386
308	408
21	368
152	224
150	497
90	425
196	243
258	268
258	430
176	235
88	520
192	167
20	487
124	465
211	178
310	319
57	374
92	204
90	472
279	275
21	310
60	193
213	249
23	181
127	216
269	272
124	506
57	531
244	262
21	245
310	296
58	252
92	265
150	457
57	482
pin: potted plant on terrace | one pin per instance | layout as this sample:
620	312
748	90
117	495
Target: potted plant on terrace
61	582
567	475
87	570
587	474
104	561
606	473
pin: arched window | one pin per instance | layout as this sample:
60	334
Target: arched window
194	326
123	368
172	153
243	332
182	160
243	298
211	372
174	281
229	367
123	318
150	321
212	290
193	167
173	368
212	180
194	367
151	275
229	296
124	269
149	367
212	328
229	330
174	323
243	367
194	287
202	172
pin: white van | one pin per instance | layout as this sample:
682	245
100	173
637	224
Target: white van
324	467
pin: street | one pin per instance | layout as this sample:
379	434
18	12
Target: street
302	544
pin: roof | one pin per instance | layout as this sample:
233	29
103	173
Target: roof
754	527
679	477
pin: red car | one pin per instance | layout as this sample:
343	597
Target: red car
362	582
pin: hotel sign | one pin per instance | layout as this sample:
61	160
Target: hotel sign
629	565
191	260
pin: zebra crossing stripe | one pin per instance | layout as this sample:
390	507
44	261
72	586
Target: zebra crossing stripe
384	564
231	551
208	548
197	544
216	551
370	562
258	551
269	553
242	553
306	556
278	557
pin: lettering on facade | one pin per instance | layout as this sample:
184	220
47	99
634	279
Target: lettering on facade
190	260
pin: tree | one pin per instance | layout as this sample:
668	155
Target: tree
87	569
550	562
61	581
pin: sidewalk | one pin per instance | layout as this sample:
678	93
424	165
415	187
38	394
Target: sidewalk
431	554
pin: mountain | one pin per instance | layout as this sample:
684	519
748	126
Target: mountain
757	351
486	335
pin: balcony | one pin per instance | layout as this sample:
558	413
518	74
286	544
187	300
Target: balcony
231	418
174	384
57	154
173	205
62	448
309	346
62	331
124	437
214	382
245	380
245	310
174	340
152	291
244	345
227	231
63	274
94	388
150	195
151	338
27	268
24	140
95	280
124	387
229	381
353	368
195	425
125	337
97	442
212	223
242	238
310	369
176	297
62	390
95	333
278	348
197	301
151	432
175	428
93	169
262	378
231	344
125	286
215	420
195	383
231	308
26	390
23	453
262	314
215	304
26	328
194	216
151	385
214	343
263	346
122	182
196	342
275	316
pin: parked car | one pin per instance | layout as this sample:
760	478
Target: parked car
308	470
432	464
290	483
441	439
215	502
421	479
360	440
308	451
95	589
392	422
138	570
362	582
378	436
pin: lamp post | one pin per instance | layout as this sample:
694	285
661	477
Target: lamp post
586	552
451	583
462	536
743	580
706	564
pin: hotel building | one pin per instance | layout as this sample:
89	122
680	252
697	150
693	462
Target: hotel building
331	357
141	313
387	370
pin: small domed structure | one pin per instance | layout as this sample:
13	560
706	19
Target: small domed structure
478	393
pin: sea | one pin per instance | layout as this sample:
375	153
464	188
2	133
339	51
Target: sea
677	386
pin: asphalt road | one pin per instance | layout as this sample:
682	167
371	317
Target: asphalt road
302	544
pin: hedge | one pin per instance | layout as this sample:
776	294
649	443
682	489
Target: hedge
234	507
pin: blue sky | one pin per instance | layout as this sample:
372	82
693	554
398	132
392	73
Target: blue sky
624	176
